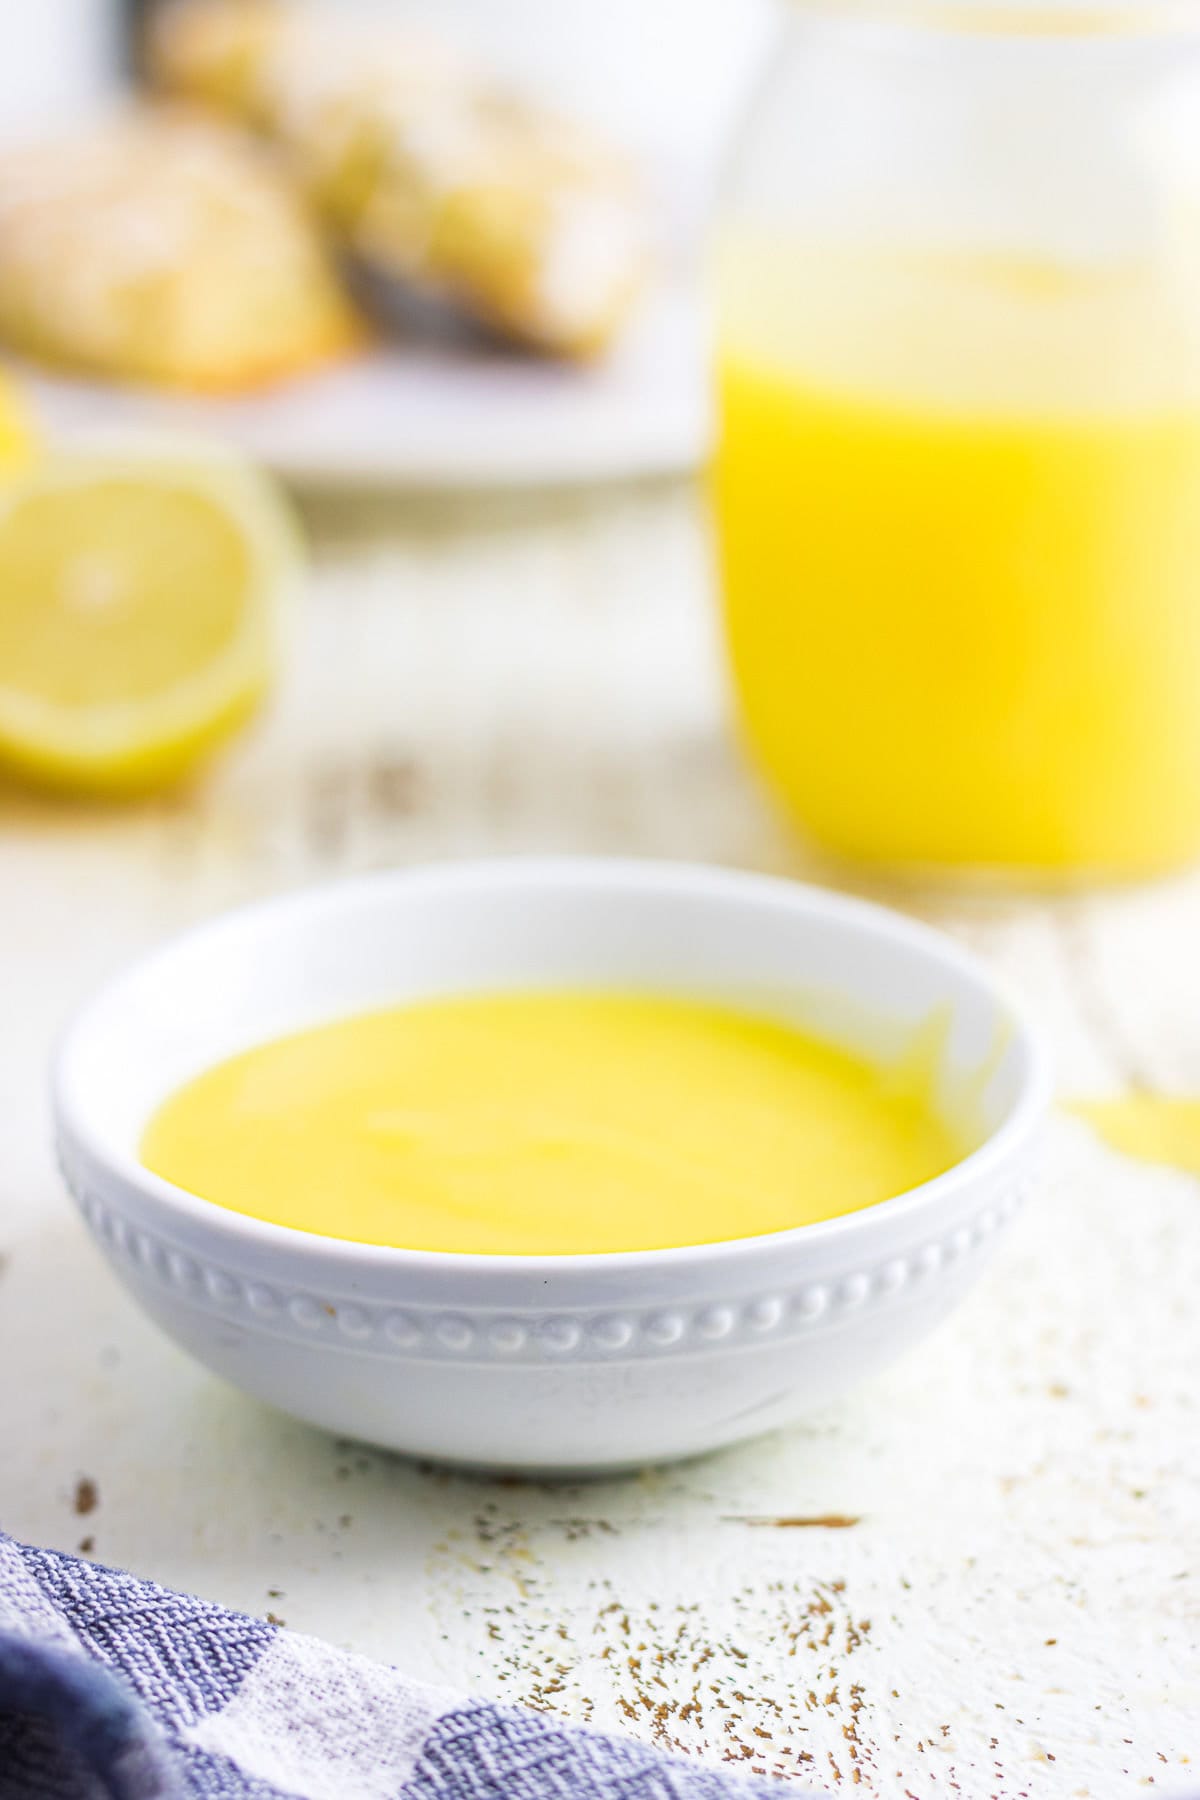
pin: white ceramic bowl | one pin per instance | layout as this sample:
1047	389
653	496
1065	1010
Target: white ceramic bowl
554	1363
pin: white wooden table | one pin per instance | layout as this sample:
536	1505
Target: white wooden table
1003	1598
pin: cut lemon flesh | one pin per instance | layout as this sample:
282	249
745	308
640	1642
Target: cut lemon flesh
17	438
142	602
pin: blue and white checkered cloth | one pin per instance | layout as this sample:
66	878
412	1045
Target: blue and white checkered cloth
117	1689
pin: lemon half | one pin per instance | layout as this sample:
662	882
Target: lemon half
18	440
143	599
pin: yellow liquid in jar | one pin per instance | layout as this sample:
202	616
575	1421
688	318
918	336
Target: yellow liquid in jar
550	1123
962	594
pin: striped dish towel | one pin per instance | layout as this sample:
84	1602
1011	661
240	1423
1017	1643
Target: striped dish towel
117	1689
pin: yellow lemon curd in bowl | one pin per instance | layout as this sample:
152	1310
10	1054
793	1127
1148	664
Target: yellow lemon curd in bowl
551	1123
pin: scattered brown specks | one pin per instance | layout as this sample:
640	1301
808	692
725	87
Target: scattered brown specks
677	1679
87	1496
327	809
798	1521
393	787
87	1545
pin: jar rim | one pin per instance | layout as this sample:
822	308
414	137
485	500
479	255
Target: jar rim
1023	18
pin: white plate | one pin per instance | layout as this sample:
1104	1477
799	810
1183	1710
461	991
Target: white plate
427	415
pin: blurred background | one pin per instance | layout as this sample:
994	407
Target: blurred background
666	79
665	76
398	247
373	249
585	145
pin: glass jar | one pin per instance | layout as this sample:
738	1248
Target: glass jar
957	486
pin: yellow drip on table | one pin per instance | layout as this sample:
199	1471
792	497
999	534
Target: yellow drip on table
1157	1128
550	1123
959	510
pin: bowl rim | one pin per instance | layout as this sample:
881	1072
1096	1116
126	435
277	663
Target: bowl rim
644	875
